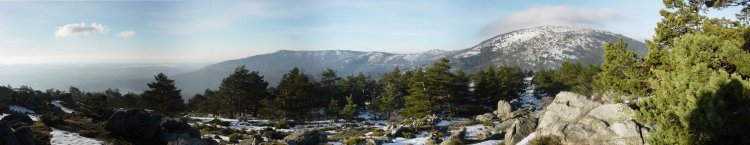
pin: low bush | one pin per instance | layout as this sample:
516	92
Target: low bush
546	140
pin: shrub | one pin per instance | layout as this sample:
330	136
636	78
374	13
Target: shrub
217	121
354	141
41	133
546	140
281	125
235	136
50	120
377	132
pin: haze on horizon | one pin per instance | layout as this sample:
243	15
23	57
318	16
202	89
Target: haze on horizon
57	32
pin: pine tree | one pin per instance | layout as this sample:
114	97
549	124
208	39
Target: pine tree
439	81
418	103
699	93
329	87
241	91
399	88
461	101
569	77
350	110
622	72
492	86
333	109
294	95
163	97
389	99
96	106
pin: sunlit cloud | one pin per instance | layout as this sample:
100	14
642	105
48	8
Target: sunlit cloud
552	15
80	29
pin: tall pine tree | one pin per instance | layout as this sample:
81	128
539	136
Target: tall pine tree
163	96
418	103
294	95
622	72
241	92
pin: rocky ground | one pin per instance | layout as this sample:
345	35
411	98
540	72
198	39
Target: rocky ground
568	119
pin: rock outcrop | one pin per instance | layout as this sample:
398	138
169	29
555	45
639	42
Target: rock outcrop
520	128
305	137
503	109
139	127
485	117
576	119
15	130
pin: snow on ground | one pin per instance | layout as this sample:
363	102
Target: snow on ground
527	139
58	103
242	125
528	98
61	137
21	109
33	117
475	130
421	139
335	143
454	121
490	142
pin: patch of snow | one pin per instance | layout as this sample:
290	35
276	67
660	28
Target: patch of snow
475	130
527	98
58	103
61	137
449	122
490	142
335	143
21	109
421	139
468	53
33	117
527	139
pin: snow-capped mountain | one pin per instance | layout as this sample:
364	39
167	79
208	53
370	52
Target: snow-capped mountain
531	49
542	47
274	65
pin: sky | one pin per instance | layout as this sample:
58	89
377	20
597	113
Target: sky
73	32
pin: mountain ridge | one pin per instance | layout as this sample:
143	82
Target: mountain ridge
542	47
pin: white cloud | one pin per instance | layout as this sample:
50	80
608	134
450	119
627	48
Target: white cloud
127	34
552	15
80	29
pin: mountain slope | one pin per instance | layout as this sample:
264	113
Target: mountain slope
532	49
542	47
274	65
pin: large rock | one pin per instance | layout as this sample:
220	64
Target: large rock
395	130
503	109
456	137
306	137
485	117
139	127
579	120
135	125
15	133
520	128
18	116
7	136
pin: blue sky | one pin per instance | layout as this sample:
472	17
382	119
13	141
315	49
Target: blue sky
212	31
